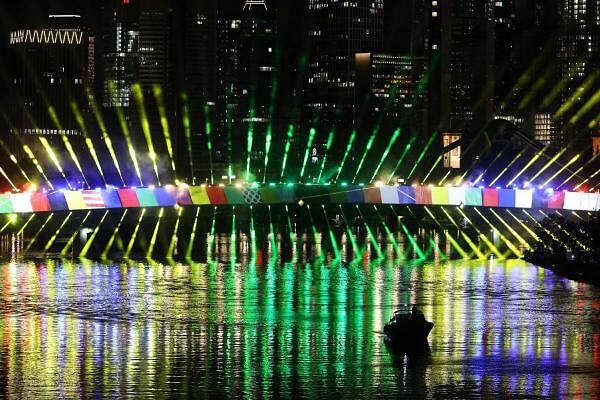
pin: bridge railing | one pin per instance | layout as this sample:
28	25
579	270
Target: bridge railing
236	195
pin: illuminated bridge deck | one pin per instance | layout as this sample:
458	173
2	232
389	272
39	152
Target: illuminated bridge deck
184	196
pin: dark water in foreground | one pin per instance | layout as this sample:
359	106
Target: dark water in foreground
94	331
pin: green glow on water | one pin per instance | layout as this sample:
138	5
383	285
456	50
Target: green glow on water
174	237
334	243
250	140
233	240
390	236
370	235
190	246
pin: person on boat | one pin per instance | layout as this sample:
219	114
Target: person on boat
415	313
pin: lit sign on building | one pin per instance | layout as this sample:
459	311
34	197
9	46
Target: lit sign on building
47	36
451	158
250	3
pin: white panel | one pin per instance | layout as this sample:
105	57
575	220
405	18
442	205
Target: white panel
523	198
389	195
572	201
21	202
456	196
588	201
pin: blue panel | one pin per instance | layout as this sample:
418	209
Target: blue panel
111	198
406	195
164	197
506	198
57	201
355	194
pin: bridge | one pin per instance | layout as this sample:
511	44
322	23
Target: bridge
342	221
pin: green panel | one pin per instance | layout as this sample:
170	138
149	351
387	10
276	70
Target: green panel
287	195
269	195
6	205
473	197
234	195
146	197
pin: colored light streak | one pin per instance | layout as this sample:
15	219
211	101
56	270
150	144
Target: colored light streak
526	167
413	243
7	178
386	152
588	162
174	237
233	240
139	96
586	180
390	235
327	148
356	250
548	164
346	154
88	141
441	183
273	236
113	237
286	151
558	88
564	167
10	221
423	152
54	158
311	137
249	142
74	235
209	146
67	143
313	228
484	238
508	243
332	239
505	169
211	237
134	235
11	156
577	94
92	238
26	224
435	164
105	137
164	122
53	238
524	226
154	234
253	232
370	142
511	230
125	130
190	246
402	157
268	139
187	129
37	165
452	241
589	105
37	234
370	235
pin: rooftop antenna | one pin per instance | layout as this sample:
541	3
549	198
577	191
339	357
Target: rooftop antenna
249	3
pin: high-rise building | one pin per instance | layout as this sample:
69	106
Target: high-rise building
50	65
245	57
338	30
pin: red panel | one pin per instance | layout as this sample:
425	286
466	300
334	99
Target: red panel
490	197
422	195
372	195
216	195
128	198
557	200
40	202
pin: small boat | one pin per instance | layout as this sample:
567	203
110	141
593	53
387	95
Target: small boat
407	330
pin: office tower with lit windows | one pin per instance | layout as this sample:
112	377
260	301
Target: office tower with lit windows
338	30
50	65
245	70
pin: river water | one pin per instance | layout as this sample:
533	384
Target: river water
302	331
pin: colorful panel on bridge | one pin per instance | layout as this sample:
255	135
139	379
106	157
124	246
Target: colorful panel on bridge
540	199
456	196
506	198
389	195
423	195
216	195
474	197
93	199
556	200
57	200
490	197
269	195
111	198
183	197
199	195
22	202
6	205
440	196
372	195
40	202
128	198
234	195
74	200
406	195
165	197
252	196
146	197
355	195
523	198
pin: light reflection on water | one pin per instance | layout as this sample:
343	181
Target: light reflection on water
153	331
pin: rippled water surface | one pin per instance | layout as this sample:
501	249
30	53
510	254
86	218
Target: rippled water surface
302	331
